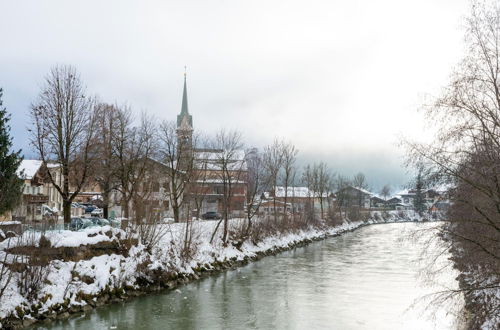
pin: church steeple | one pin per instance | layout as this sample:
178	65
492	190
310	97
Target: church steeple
185	128
184	118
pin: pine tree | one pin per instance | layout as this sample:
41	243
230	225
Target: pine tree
419	201
10	183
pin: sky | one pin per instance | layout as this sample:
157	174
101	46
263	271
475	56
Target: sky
342	80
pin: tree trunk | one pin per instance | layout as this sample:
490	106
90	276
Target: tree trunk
175	208
125	208
67	211
105	206
321	206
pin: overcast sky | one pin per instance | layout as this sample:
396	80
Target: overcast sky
342	80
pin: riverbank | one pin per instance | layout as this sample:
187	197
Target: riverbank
480	291
91	277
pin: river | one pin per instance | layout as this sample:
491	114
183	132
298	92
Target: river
366	279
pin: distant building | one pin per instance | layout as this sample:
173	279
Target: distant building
430	196
351	196
377	202
267	208
37	193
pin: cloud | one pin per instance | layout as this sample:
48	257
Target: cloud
341	79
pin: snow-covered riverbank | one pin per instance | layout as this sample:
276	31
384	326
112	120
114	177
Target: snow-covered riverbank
92	272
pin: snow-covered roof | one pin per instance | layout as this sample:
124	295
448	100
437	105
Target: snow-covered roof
210	159
359	189
296	192
293	192
208	181
30	167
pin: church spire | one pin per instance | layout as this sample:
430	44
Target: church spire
184	108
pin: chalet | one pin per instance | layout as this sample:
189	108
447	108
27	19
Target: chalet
395	203
377	202
430	197
351	196
34	205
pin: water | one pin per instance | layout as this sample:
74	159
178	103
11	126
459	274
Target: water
367	279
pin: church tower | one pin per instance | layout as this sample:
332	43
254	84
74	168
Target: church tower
184	123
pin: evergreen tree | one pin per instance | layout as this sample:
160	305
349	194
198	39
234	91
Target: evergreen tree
10	183
419	201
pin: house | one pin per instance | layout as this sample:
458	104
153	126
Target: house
300	198
395	203
430	196
408	197
268	207
34	201
377	202
151	197
351	196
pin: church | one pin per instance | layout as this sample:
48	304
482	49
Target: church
209	189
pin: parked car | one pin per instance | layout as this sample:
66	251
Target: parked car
89	208
79	223
97	213
211	216
100	221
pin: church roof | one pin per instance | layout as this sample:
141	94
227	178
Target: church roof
184	108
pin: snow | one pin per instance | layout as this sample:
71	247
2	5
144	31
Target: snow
6	223
30	167
293	192
210	160
62	238
301	192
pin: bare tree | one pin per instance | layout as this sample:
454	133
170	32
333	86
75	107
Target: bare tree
230	170
385	192
256	185
63	121
105	169
132	146
359	181
465	155
321	184
200	175
342	197
309	181
289	157
180	162
272	160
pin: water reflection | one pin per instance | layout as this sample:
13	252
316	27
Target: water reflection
362	280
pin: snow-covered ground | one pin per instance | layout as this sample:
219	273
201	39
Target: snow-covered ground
70	283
